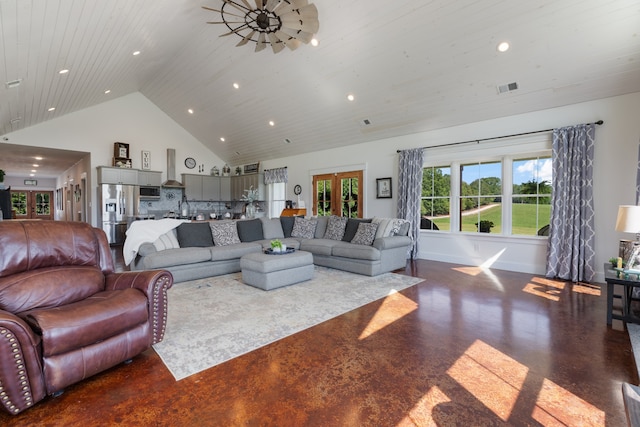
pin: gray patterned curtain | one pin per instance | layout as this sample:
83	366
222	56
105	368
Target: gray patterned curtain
271	176
410	193
570	248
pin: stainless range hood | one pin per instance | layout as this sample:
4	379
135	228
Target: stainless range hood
171	181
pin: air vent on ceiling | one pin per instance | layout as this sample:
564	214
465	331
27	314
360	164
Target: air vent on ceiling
509	87
366	122
13	83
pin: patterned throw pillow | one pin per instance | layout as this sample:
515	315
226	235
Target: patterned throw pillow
224	233
336	227
304	228
366	234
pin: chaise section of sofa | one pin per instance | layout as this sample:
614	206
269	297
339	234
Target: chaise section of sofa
195	250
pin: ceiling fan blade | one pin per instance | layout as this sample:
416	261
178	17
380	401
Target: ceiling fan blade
225	22
276	43
303	36
288	6
246	38
288	41
272	4
240	7
261	44
234	31
247	4
259	4
219	11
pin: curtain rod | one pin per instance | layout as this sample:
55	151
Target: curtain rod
599	122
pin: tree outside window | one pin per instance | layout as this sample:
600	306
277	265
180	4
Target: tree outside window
531	199
436	198
481	197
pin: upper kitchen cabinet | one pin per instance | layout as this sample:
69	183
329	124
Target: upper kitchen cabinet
149	178
206	187
107	175
240	183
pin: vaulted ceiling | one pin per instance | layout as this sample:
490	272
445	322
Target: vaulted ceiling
412	66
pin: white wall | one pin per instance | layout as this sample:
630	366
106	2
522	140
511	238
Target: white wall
615	168
131	119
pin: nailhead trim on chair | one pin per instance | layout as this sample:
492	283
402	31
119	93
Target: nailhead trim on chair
160	290
11	340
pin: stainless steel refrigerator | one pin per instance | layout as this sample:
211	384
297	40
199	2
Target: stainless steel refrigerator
119	204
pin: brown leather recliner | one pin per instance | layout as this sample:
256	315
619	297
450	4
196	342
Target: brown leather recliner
64	313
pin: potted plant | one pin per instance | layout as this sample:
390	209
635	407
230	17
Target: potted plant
484	226
278	246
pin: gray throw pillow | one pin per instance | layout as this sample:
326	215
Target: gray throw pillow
304	228
287	225
194	234
272	228
250	230
335	227
366	234
321	228
352	227
224	233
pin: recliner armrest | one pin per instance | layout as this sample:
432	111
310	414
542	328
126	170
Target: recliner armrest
154	284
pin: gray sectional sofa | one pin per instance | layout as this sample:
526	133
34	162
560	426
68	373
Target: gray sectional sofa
196	250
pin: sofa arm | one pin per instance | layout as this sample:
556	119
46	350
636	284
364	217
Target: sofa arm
21	379
147	249
382	243
154	284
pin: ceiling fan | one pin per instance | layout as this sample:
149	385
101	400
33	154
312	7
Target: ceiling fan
278	23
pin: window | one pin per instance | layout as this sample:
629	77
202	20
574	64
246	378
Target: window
531	197
436	198
276	194
481	197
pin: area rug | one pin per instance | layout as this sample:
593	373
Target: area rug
215	319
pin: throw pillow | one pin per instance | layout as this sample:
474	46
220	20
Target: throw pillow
194	234
250	230
167	241
272	228
352	227
287	225
366	234
224	233
321	228
304	228
335	227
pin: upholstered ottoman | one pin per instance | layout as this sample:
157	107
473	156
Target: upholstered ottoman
274	271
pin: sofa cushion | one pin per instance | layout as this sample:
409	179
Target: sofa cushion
321	227
365	235
272	228
349	250
171	257
49	287
234	252
287	224
336	227
224	233
194	234
391	227
167	241
304	228
250	230
352	227
101	316
318	246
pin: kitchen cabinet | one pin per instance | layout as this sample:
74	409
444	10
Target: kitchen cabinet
149	178
207	188
239	183
107	175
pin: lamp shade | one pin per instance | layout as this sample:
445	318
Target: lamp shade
628	220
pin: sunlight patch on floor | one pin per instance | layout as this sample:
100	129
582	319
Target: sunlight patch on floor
552	289
422	412
394	307
485	268
557	406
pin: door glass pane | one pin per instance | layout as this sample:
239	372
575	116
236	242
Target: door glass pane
349	197
19	202
43	204
323	192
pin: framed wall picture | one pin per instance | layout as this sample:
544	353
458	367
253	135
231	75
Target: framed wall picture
146	160
120	150
383	188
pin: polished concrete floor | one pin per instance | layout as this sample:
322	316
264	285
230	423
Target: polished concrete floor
465	347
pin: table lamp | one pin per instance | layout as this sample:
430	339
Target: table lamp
628	221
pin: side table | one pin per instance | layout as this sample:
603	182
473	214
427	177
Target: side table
613	278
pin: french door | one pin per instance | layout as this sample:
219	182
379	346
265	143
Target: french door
340	194
32	204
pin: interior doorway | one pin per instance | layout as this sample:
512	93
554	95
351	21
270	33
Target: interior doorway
32	204
340	194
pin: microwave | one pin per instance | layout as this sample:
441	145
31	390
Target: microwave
149	193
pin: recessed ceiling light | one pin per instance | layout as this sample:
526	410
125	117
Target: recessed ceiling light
314	42
503	47
33	170
350	97
222	139
190	111
32	174
107	91
38	158
236	86
65	71
136	53
272	123
51	109
35	165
